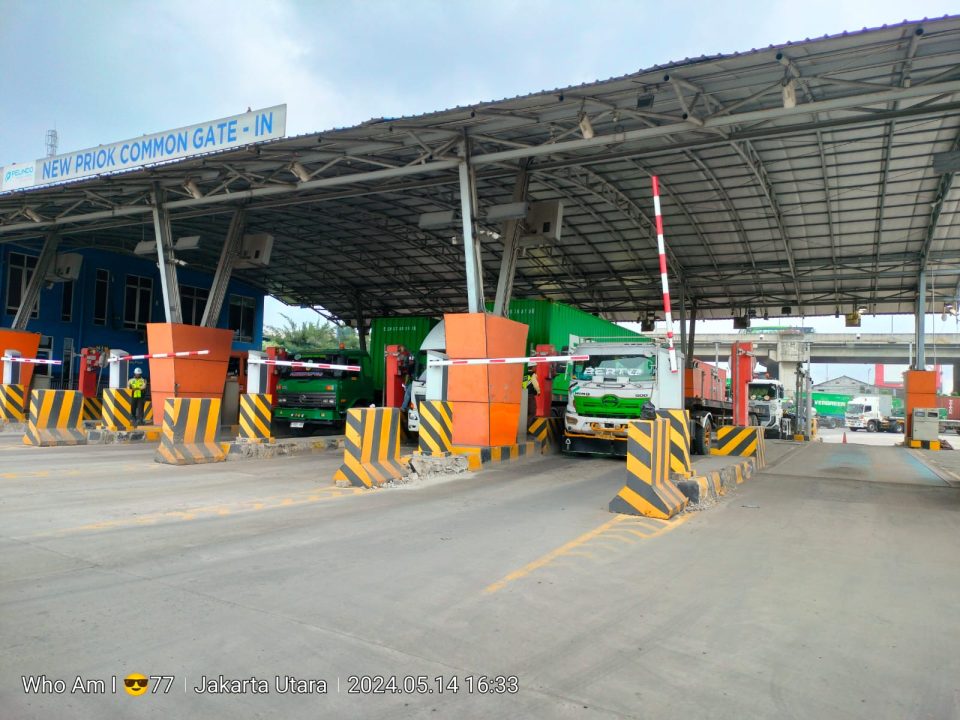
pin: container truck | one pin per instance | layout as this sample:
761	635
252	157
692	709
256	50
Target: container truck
766	398
873	413
831	408
619	379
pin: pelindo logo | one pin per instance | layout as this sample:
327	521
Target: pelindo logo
17	173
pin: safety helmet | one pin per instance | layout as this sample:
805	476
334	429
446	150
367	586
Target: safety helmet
137	371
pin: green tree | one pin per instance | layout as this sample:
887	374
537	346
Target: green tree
306	336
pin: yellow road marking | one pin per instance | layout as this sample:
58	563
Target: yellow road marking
279	501
575	544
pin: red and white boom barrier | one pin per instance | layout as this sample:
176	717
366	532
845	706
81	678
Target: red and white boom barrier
663	273
302	365
30	361
509	360
159	356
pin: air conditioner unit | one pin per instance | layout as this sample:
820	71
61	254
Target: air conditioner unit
544	220
255	250
66	267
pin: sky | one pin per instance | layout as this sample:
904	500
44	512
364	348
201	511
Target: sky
100	71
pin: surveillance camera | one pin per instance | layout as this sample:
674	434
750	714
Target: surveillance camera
858	336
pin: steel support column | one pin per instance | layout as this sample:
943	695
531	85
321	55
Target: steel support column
221	279
165	259
691	337
471	244
32	293
919	318
511	246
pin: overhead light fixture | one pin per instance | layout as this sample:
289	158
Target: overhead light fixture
435	220
507	211
33	214
586	129
191	187
190	242
145	247
862	309
948	309
300	171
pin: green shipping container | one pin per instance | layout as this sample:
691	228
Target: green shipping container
830	404
408	331
553	323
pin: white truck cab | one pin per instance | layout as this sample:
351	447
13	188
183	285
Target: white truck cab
766	403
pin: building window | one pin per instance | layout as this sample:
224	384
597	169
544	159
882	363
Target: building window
138	298
242	310
19	272
66	302
193	300
101	292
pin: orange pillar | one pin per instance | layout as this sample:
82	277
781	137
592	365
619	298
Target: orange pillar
190	377
27	344
485	398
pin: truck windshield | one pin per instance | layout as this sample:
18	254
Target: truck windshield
633	368
294	372
854	409
762	391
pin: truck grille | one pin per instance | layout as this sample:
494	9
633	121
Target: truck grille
307	400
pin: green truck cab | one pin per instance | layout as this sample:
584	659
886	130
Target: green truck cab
315	396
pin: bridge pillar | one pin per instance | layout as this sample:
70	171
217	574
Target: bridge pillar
956	378
788	376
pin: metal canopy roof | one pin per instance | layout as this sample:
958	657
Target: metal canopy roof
823	207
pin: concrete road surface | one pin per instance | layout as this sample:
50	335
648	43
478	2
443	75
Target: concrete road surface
824	587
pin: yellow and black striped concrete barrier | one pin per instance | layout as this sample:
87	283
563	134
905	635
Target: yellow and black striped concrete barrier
547	432
371	449
256	417
649	490
92	409
55	418
148	412
742	441
923	444
118	409
13	403
480	455
188	435
679	420
436	427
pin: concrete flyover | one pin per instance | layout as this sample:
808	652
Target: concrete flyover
832	347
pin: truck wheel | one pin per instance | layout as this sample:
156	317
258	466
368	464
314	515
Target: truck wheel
702	438
898	427
872	426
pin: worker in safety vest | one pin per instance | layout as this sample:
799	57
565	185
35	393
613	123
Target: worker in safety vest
531	388
137	385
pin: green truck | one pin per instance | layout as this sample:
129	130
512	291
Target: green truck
312	397
308	398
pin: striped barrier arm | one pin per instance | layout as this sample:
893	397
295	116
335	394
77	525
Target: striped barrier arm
159	356
436	427
189	432
741	441
371	449
13	403
256	417
679	420
55	418
649	490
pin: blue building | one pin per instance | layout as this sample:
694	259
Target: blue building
111	302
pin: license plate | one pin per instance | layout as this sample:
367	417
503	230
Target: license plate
296	424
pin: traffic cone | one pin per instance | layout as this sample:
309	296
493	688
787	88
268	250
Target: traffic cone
844	438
